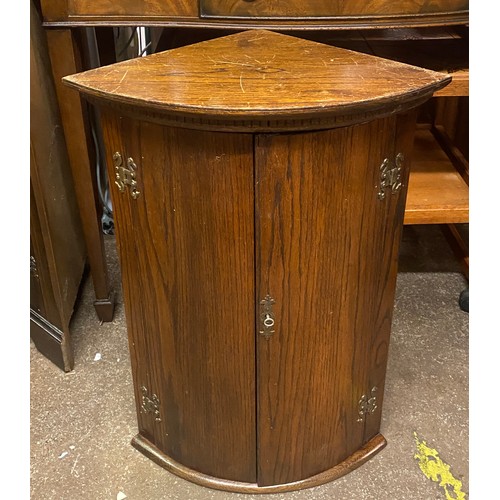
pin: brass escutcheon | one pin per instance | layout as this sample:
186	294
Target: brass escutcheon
267	317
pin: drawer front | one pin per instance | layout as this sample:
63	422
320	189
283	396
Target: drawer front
346	11
133	8
326	8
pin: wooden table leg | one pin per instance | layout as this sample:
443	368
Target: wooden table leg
65	55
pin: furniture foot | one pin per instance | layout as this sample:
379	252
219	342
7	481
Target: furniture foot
105	308
51	341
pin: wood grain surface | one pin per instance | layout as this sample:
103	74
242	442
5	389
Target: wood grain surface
65	56
326	8
223	220
358	458
42	299
181	8
52	182
263	76
293	14
58	250
326	252
438	194
187	259
383	252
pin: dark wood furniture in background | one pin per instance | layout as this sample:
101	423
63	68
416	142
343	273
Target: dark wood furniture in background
66	58
57	245
347	14
259	193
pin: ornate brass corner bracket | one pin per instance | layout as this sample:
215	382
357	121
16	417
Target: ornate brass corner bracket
150	404
390	176
367	405
125	176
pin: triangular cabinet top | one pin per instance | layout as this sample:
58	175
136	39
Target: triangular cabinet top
259	80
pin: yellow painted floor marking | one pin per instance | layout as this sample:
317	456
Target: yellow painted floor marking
438	471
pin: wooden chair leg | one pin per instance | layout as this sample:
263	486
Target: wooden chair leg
65	55
458	245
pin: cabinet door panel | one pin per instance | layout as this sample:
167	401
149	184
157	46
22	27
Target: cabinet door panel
187	260
325	241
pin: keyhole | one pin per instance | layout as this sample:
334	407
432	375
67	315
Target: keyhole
268	321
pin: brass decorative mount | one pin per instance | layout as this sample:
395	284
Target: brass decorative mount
390	176
125	176
367	405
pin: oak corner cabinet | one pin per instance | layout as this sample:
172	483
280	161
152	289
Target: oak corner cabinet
259	193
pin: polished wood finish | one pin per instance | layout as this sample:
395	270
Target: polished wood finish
186	14
330	87
133	8
327	8
54	10
49	339
437	193
185	249
57	246
442	50
317	209
222	218
460	18
215	221
293	14
365	453
65	58
459	85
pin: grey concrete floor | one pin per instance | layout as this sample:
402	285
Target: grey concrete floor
82	422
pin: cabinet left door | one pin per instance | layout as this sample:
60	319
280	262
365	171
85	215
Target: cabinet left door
184	217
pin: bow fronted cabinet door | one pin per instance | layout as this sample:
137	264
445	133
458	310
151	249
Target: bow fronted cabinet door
259	185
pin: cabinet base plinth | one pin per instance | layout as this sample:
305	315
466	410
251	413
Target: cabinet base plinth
352	462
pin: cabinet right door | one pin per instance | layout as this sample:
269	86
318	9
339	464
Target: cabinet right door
327	239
